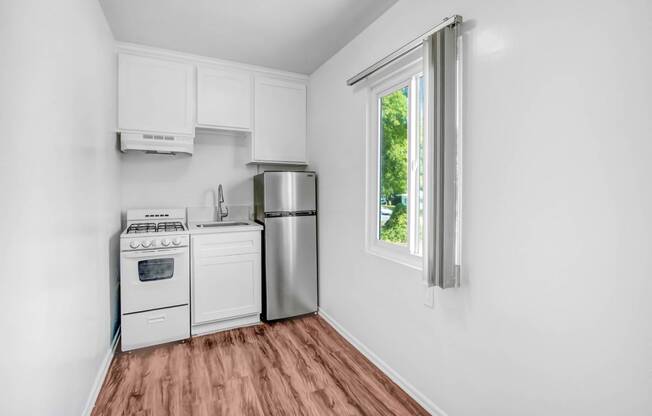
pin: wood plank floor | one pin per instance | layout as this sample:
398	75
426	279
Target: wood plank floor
295	367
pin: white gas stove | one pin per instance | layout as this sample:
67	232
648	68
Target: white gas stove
154	278
149	229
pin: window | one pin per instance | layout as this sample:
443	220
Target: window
413	155
395	166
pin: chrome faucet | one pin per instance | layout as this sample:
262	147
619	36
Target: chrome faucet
221	211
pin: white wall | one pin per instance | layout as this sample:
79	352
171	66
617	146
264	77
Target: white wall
161	181
59	181
553	316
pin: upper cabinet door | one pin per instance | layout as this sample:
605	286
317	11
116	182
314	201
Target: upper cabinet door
224	98
155	95
280	120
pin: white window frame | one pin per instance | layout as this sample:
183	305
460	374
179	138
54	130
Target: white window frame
410	254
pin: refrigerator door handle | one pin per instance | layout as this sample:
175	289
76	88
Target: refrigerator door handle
304	213
279	214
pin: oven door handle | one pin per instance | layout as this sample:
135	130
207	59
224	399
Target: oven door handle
155	253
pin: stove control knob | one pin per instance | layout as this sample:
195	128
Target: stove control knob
147	243
134	244
176	241
165	242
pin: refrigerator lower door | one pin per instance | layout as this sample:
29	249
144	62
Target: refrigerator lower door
290	266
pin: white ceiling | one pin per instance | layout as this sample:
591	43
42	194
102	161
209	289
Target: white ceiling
293	35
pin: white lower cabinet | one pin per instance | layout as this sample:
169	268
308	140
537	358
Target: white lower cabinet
225	280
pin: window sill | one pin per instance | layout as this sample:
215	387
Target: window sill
408	260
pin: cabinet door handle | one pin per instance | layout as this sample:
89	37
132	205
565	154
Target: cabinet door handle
156	319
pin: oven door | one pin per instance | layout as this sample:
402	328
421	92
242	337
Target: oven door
154	279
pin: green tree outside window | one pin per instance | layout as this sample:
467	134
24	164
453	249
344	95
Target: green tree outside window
394	167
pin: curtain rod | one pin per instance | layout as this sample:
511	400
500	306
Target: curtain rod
402	51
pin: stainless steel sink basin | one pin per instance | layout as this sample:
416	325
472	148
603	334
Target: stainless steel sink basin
221	224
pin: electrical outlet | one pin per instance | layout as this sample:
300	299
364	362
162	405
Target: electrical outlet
429	300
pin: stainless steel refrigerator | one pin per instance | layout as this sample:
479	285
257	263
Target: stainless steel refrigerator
286	204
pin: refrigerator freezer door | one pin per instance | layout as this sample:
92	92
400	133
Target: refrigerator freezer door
290	191
290	266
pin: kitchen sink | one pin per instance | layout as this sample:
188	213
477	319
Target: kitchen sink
221	224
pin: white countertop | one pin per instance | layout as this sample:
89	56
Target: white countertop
250	226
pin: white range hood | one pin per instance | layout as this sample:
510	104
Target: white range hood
156	143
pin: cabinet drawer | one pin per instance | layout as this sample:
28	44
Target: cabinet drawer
155	327
225	244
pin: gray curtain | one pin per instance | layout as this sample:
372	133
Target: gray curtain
442	220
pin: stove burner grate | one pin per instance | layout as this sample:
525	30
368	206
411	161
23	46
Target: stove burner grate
143	227
150	227
169	226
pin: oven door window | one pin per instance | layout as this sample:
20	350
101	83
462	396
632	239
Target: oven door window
155	269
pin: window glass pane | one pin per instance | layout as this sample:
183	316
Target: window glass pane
420	117
155	269
393	186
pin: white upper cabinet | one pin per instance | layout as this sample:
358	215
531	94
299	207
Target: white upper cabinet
155	95
169	94
280	121
224	98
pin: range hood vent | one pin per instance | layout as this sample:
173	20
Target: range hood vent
156	143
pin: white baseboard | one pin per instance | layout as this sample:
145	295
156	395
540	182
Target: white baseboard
213	327
101	375
419	397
